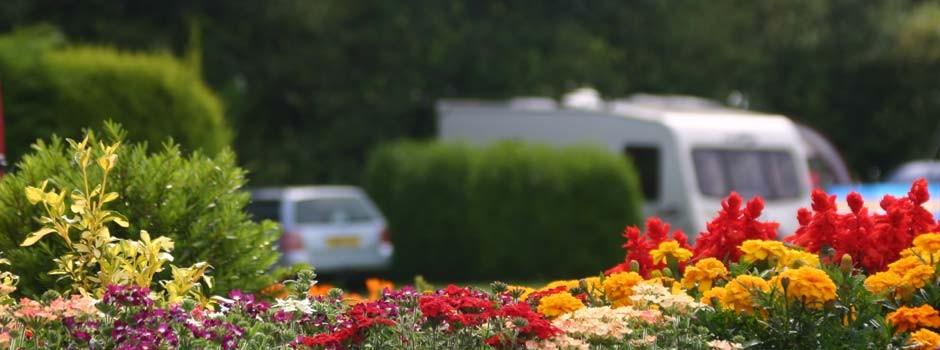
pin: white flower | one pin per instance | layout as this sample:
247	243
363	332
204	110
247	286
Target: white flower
292	305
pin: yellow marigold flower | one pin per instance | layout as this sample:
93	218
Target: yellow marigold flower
918	277
594	285
709	297
618	287
929	257
593	281
740	293
523	290
761	250
929	242
704	273
793	258
924	339
664	281
809	285
567	283
903	265
910	318
883	282
559	304
668	249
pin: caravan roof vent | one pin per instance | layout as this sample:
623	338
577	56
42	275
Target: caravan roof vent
583	98
533	103
678	102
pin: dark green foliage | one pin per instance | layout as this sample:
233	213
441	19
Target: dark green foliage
194	199
506	211
53	90
313	86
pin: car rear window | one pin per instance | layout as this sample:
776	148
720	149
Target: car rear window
766	173
264	210
332	210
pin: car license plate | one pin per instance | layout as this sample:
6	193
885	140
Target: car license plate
343	242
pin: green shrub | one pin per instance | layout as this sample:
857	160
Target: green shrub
50	89
196	200
506	211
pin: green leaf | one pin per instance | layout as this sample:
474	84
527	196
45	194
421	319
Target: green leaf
36	236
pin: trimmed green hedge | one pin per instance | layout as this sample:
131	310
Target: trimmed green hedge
507	211
49	88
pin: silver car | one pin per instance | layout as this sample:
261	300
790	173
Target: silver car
332	228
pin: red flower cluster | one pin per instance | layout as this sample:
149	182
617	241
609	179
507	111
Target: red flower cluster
733	226
456	306
460	306
873	241
350	330
638	246
529	325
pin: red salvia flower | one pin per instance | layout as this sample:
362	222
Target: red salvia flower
638	246
873	241
732	227
820	230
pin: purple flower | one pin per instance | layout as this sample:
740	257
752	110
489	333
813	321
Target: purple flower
282	317
127	296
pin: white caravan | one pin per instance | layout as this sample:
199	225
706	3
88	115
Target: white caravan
689	153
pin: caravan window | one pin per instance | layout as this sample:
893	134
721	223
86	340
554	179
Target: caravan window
646	161
769	174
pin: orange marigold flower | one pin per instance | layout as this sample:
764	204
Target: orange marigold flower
618	287
903	265
924	255
669	249
740	293
760	250
703	274
276	290
559	304
711	296
883	282
910	318
808	285
375	286
918	277
929	242
319	290
924	339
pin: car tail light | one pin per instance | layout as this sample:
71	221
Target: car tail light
290	241
386	236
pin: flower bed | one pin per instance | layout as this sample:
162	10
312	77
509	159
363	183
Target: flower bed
852	280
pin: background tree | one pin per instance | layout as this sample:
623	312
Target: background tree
313	86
